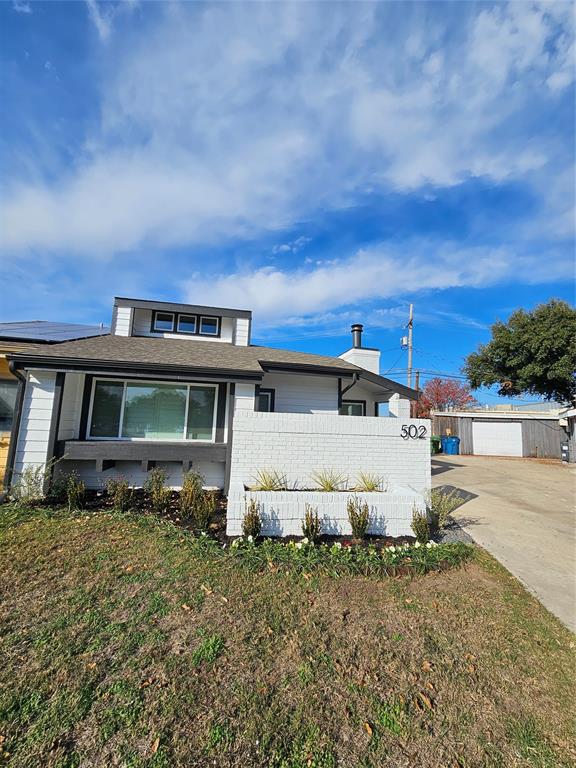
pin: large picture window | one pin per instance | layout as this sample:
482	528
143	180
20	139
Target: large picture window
134	410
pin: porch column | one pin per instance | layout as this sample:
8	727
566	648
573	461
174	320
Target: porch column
399	408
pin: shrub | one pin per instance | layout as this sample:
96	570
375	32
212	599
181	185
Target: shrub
121	492
252	523
420	525
311	526
75	491
156	487
195	503
29	487
329	480
358	516
270	480
191	495
440	506
368	482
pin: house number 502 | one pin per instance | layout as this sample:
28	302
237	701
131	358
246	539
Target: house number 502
413	432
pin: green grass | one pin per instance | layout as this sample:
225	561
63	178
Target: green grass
125	642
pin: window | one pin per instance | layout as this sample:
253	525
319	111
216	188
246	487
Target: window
186	323
353	408
135	410
265	400
8	388
163	322
209	326
106	408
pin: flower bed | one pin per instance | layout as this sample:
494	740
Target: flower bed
337	559
282	511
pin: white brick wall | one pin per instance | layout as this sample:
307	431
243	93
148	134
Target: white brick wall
296	445
282	512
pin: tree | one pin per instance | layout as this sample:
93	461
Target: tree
441	394
533	353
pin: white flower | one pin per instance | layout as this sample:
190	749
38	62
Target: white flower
417	544
299	545
391	549
250	539
338	545
304	540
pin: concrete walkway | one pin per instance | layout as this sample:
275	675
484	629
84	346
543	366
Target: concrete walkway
523	512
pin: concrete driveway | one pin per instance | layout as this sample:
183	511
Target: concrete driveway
523	512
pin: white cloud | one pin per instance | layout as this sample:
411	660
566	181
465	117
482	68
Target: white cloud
21	7
381	273
224	120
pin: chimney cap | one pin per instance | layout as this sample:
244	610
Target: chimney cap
357	329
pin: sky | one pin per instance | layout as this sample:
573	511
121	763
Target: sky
318	163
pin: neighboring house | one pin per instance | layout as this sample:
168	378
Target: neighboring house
568	421
16	337
166	386
503	433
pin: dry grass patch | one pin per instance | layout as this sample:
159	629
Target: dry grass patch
122	647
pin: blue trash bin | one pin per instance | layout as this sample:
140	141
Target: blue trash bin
452	447
443	443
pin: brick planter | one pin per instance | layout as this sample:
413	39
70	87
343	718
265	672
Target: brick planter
282	511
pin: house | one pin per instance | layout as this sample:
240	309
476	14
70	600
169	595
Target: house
16	337
568	422
182	386
499	432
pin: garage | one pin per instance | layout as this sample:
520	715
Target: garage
497	437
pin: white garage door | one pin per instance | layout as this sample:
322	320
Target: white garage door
497	438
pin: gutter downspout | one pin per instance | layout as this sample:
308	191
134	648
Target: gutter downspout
355	380
9	471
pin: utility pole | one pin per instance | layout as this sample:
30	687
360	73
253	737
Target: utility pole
417	381
410	324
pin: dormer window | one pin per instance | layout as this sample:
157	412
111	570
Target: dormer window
163	322
187	324
209	326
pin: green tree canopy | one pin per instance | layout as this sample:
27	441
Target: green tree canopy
533	353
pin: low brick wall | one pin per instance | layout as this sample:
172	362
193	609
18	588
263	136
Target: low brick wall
283	511
297	445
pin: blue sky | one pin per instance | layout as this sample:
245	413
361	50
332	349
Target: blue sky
321	164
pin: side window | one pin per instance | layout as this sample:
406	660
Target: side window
209	326
353	408
163	322
265	401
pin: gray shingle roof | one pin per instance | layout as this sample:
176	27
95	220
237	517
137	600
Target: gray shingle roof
185	353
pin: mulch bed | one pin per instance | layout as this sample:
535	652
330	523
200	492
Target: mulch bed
100	500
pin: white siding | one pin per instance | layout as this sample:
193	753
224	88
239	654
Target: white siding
122	321
241	332
71	406
143	324
297	393
244	397
358	392
369	359
32	446
211	471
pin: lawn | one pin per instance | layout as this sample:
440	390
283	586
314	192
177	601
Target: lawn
122	646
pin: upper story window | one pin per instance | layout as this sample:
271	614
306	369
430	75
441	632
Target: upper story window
209	326
163	322
196	325
187	324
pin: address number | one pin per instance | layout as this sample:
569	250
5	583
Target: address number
412	432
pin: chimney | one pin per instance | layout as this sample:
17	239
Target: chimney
363	357
357	329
